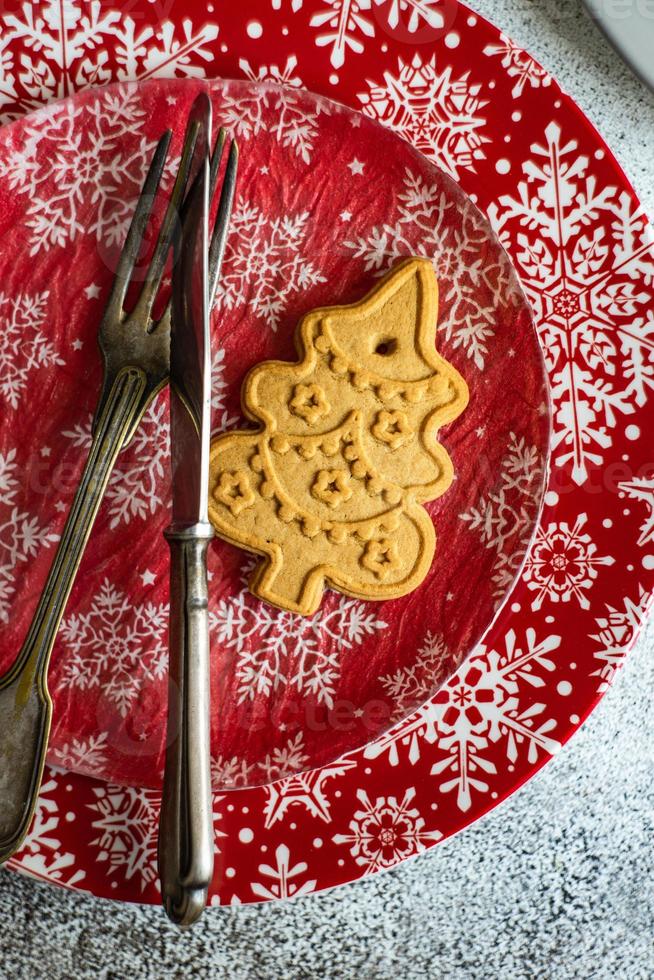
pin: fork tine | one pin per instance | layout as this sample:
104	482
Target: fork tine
221	227
221	224
169	223
132	244
216	157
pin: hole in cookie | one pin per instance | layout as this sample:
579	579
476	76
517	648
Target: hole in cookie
386	346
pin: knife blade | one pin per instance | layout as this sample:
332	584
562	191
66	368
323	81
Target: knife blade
186	820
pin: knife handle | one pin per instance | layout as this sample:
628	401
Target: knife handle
25	705
186	845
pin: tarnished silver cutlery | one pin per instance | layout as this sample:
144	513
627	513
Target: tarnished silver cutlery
186	842
136	351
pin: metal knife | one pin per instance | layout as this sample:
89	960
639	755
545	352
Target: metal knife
186	823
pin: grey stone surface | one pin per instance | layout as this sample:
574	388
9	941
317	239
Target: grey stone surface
557	883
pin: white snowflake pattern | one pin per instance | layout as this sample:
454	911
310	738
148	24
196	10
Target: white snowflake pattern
221	419
562	563
617	630
138	480
344	25
489	700
264	264
282	879
306	790
414	14
85	754
339	25
24	347
282	761
519	65
642	489
42	855
440	114
505	516
384	832
470	286
585	256
69	148
234	772
8	482
127	820
69	47
21	534
408	686
272	73
230	773
275	648
116	646
295	125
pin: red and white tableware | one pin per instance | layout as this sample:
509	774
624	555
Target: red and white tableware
484	112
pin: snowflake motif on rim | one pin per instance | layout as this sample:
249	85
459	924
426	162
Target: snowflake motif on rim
280	881
409	686
21	535
505	517
617	631
470	287
339	24
305	789
128	824
585	256
263	263
127	821
42	856
442	116
24	347
81	152
489	700
481	704
116	646
642	489
413	14
519	65
247	114
342	24
273	73
385	832
71	46
275	648
562	563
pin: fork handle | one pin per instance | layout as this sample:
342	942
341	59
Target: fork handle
25	705
186	821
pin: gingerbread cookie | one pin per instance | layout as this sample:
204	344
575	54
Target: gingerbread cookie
331	488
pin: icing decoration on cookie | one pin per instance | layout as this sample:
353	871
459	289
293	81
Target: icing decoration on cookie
331	488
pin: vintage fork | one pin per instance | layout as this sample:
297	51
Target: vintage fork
136	355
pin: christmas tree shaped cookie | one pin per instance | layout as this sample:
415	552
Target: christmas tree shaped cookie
331	488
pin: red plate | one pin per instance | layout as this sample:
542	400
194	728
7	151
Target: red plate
485	111
327	202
